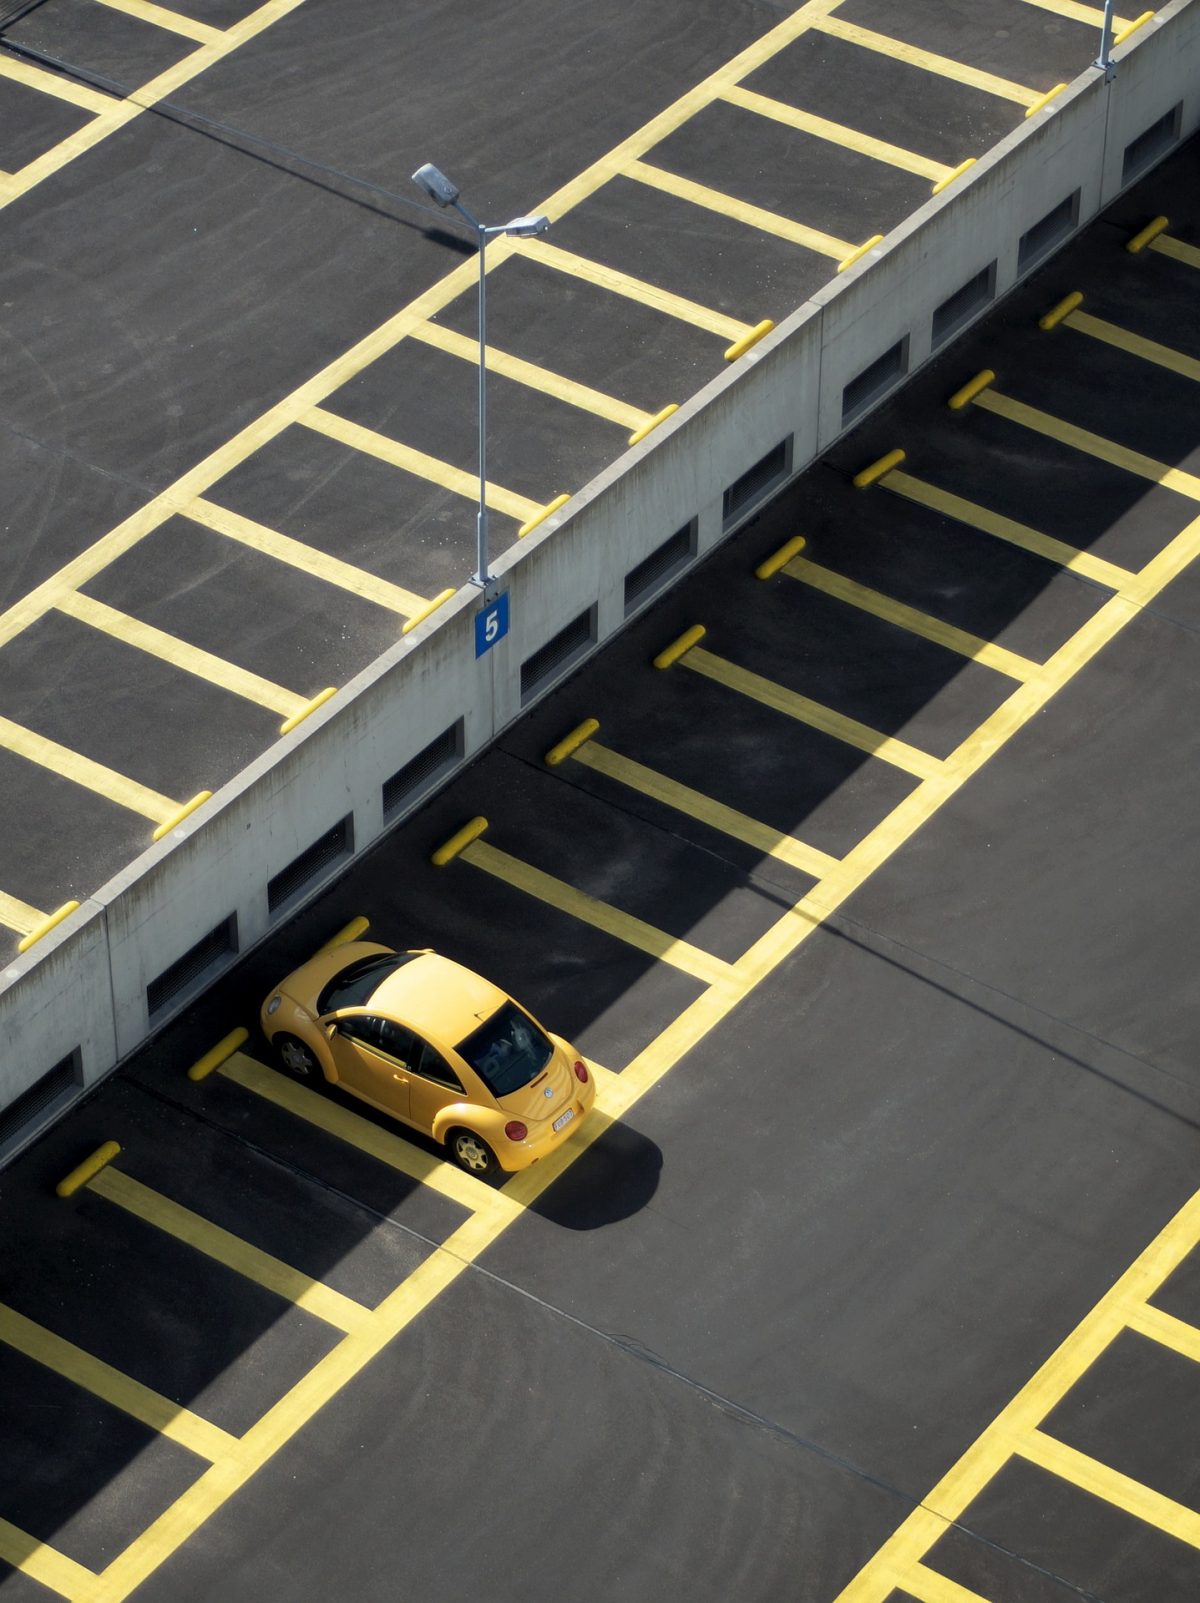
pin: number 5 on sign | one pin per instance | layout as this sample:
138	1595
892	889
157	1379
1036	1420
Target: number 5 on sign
491	624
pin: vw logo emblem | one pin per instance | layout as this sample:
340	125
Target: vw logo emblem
549	1091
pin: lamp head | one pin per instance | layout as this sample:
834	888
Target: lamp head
436	185
523	227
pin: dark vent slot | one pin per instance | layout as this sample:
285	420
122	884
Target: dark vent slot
1044	235
187	971
663	561
416	777
1143	151
333	845
963	304
874	380
566	645
754	484
56	1084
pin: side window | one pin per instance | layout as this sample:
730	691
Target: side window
433	1066
360	1028
397	1042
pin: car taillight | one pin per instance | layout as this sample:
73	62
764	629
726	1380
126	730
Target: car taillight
581	1073
515	1130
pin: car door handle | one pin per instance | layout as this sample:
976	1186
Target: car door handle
403	1078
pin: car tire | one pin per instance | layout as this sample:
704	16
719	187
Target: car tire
296	1060
472	1153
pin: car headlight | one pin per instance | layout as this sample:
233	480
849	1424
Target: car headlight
273	1005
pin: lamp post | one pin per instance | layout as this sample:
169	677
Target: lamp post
440	189
1103	61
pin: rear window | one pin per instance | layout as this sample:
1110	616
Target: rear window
357	983
507	1051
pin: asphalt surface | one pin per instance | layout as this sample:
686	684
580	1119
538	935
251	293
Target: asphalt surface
836	1267
176	279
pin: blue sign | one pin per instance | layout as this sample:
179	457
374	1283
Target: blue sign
491	624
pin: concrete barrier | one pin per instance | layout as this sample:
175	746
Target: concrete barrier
91	991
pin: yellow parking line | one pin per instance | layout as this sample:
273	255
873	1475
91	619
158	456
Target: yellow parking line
83	771
417	463
741	211
1119	456
1136	344
884	45
1087	1473
927	1586
332	570
48	1566
315	1298
171	21
836	133
48	83
600	915
533	376
1177	250
886	747
603	760
113	1386
399	1154
1075	12
633	289
189	659
917	623
18	915
1018	534
1168	1331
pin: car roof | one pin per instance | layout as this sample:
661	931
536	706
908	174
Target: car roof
438	997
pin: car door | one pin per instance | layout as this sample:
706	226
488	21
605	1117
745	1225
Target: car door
372	1058
432	1086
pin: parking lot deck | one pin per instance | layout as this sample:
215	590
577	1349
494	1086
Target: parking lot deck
860	870
238	421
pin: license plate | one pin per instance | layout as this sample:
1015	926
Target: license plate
564	1118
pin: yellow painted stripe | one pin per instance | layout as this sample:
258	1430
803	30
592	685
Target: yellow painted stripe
171	21
190	659
18	915
1120	1490
1168	1331
600	915
886	747
714	813
1096	445
917	623
48	83
1075	12
319	1300
837	133
1018	534
382	1145
943	66
1136	344
417	463
83	771
296	554
929	1587
113	115
633	289
741	211
48	1566
1177	250
533	376
121	1390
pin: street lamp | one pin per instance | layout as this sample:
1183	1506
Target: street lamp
1103	61
439	188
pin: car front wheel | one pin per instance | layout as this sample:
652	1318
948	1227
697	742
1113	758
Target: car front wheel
472	1153
296	1059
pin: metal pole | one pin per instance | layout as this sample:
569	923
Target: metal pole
1106	27
481	525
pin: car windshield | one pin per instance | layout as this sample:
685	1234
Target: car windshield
356	984
507	1050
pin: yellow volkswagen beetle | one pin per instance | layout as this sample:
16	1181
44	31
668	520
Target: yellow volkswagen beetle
434	1045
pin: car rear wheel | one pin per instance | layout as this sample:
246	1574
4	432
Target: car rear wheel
295	1058
472	1153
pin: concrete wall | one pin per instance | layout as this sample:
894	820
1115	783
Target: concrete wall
82	989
